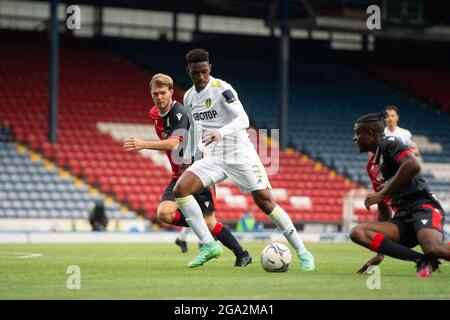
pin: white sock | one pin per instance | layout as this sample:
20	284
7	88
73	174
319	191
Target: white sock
194	217
286	227
184	233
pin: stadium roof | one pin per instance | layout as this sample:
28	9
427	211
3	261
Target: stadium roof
402	19
433	12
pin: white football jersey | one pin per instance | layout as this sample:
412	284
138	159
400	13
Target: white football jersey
217	106
400	133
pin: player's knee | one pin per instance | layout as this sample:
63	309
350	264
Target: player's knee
430	247
210	221
180	190
164	216
357	234
266	204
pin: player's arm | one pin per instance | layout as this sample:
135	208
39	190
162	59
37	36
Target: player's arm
133	144
240	120
372	262
415	149
409	167
384	212
412	144
188	152
174	134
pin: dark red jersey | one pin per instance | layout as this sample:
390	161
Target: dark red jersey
389	153
376	177
171	125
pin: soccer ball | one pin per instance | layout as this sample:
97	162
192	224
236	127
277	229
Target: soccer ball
276	257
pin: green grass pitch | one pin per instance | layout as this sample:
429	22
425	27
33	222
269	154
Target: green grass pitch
157	271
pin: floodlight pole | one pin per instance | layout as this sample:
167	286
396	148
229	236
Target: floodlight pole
284	77
98	16
53	74
175	26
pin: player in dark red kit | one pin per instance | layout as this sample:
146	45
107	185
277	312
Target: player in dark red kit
384	208
418	217
171	124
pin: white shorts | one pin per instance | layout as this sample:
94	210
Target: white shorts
249	175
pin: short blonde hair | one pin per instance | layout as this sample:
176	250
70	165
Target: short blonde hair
161	80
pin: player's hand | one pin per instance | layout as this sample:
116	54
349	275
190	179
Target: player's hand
373	198
212	136
372	262
133	144
183	167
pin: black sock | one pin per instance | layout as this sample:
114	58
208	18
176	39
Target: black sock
224	235
179	220
393	249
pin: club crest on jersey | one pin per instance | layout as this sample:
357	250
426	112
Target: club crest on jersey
375	171
380	177
179	115
164	135
208	103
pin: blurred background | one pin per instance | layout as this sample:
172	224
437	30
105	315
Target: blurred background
74	81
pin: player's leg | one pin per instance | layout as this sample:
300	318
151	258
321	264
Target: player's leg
184	232
250	176
430	241
188	184
206	199
224	235
181	240
433	246
264	200
168	212
386	238
428	223
428	219
364	233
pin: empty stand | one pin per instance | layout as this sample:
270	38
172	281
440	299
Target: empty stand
326	98
104	98
34	188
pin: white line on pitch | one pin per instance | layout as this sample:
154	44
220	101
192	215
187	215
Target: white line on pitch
19	255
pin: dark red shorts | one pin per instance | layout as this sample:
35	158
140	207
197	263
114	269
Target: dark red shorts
420	214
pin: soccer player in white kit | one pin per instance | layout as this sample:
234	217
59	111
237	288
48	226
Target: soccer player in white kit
392	129
218	118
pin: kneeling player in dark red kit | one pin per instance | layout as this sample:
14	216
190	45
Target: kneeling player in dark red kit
418	216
